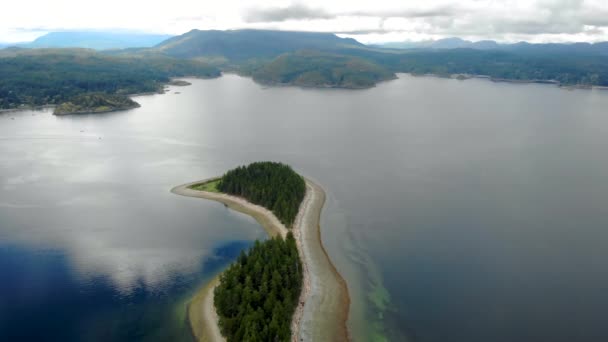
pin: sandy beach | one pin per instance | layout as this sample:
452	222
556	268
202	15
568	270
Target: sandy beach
324	300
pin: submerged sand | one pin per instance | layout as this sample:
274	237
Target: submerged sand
323	309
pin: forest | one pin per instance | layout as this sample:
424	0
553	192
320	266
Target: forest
566	67
285	57
272	185
54	76
258	294
95	103
317	69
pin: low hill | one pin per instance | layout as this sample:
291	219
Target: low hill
95	103
96	40
35	77
240	45
563	68
316	69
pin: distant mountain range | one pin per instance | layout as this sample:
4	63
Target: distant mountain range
247	44
457	43
93	40
305	59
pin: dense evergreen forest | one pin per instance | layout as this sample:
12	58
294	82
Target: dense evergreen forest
258	294
54	76
272	185
565	67
95	103
315	69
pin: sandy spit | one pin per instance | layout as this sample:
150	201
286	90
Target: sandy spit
323	309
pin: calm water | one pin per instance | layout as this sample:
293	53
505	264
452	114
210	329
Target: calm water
457	211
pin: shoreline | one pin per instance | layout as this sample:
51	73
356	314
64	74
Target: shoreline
464	77
322	312
160	91
272	84
207	316
79	112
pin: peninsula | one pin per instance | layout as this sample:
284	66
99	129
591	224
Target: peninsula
95	103
321	309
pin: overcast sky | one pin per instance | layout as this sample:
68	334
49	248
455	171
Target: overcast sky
366	21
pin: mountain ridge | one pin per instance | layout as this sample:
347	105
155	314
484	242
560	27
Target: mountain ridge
239	45
98	40
458	43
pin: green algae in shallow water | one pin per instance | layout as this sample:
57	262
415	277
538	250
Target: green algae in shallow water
379	298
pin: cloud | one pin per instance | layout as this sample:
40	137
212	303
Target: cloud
302	12
438	11
291	12
585	20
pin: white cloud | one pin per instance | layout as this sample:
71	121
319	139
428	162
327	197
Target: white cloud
380	20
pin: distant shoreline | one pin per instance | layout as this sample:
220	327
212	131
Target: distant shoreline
464	77
281	85
271	84
324	311
161	90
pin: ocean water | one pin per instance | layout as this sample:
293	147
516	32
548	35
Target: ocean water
457	210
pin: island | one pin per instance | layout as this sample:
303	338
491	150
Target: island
296	293
95	103
321	70
179	83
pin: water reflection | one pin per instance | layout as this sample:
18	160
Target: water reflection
456	210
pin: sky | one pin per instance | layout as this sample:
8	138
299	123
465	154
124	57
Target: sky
375	21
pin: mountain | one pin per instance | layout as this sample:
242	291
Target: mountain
521	47
446	43
240	45
96	40
484	45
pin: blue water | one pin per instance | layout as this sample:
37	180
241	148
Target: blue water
47	298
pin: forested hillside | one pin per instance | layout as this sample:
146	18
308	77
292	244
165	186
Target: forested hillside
277	57
258	294
95	103
54	76
242	45
272	185
315	69
36	77
566	68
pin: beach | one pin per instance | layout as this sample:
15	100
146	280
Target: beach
324	301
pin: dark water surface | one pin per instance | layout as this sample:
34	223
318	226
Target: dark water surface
457	211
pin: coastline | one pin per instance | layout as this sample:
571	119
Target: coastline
325	310
160	91
272	84
92	111
324	302
201	313
464	77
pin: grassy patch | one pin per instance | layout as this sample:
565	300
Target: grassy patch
210	186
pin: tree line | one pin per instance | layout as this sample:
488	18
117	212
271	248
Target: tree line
36	77
568	68
272	185
258	294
